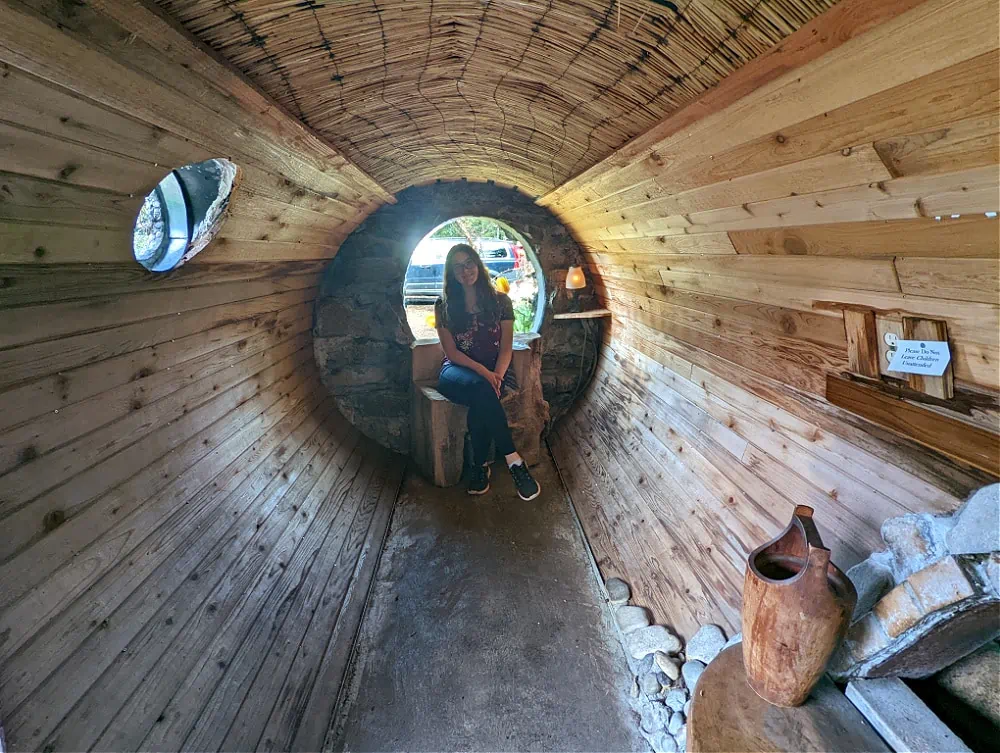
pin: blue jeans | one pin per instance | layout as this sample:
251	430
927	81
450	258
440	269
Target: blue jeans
487	420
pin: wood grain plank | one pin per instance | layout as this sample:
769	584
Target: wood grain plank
966	237
27	324
956	279
818	37
956	439
26	199
210	535
203	694
24	364
973	142
307	718
862	343
50	430
105	494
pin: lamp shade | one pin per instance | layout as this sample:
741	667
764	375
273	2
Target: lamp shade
575	279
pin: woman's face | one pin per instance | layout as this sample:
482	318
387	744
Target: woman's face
465	268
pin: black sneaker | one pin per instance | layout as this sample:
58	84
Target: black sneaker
527	487
479	479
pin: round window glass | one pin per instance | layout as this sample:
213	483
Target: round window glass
182	214
507	256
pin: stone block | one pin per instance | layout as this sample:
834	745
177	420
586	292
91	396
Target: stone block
872	579
936	617
975	680
942	584
898	610
976	526
915	540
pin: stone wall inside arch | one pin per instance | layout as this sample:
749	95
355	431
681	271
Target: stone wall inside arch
361	336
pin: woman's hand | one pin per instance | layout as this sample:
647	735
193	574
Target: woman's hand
494	379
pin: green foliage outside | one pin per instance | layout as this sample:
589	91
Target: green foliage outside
524	315
473	227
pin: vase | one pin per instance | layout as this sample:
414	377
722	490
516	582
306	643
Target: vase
796	608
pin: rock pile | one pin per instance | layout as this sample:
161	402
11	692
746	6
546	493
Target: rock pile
665	671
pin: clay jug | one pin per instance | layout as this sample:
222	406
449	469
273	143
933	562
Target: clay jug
796	609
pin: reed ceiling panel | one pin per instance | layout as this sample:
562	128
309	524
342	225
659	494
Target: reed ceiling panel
524	92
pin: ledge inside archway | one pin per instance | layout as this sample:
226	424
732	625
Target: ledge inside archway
360	334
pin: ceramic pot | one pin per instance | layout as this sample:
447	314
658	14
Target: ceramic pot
796	608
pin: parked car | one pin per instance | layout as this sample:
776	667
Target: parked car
424	279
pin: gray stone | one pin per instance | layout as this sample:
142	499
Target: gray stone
916	541
631	619
676	699
738	638
645	665
649	640
687	709
976	527
649	684
706	644
872	579
663	743
975	680
681	739
654	717
692	671
670	667
618	591
634	688
676	723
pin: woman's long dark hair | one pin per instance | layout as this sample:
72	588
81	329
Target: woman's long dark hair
453	297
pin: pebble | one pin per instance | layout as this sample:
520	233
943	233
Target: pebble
676	699
649	685
654	718
676	723
634	689
738	638
618	591
687	709
692	671
681	738
645	665
670	667
631	619
663	743
649	640
706	644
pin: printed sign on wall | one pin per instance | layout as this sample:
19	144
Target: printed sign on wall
927	357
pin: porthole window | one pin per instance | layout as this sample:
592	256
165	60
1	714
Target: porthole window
182	214
507	257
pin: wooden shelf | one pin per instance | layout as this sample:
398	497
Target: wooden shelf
592	314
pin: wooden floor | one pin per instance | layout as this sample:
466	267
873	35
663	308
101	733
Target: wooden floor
234	617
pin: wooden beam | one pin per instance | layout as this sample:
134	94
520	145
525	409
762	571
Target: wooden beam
948	436
862	342
840	24
942	387
901	717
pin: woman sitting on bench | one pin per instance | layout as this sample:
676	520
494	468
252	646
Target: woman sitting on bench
476	326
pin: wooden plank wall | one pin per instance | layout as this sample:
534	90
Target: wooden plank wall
727	239
169	462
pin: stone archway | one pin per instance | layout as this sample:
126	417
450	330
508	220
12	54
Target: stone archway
361	338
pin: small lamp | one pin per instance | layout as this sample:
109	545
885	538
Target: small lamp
575	281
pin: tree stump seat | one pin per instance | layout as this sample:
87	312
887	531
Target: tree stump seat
439	426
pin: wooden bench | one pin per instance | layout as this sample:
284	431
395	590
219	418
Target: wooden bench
438	429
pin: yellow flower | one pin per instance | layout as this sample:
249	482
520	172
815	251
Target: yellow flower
502	285
430	321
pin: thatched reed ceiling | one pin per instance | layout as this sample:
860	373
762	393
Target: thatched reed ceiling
524	92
